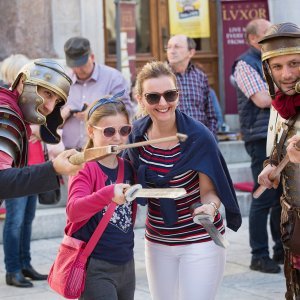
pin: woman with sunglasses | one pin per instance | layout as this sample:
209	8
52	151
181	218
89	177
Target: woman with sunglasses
110	271
182	261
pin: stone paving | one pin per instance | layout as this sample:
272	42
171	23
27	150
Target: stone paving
239	281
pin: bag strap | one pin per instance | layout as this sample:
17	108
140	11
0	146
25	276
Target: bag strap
105	219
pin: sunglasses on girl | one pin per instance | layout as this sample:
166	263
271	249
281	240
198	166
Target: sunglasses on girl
111	131
154	98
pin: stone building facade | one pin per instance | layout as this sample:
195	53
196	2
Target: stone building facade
39	28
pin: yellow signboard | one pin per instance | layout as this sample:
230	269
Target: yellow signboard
189	17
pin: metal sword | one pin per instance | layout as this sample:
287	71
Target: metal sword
137	190
207	222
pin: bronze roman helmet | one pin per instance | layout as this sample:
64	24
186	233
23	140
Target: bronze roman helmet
280	39
48	74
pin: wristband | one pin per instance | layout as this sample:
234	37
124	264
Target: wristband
214	205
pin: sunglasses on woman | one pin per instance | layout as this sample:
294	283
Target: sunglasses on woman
154	98
111	131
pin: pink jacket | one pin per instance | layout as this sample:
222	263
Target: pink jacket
89	195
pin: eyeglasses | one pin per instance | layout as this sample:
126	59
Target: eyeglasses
154	98
111	131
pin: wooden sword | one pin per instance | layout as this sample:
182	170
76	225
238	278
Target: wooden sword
100	152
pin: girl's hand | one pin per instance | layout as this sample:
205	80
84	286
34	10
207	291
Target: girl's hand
120	189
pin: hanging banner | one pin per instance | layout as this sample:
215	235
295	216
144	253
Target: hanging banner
189	17
235	16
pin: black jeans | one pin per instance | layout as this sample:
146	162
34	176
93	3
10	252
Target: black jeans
268	202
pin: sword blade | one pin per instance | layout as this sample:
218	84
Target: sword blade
137	191
160	193
211	229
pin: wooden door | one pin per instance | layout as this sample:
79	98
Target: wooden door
152	21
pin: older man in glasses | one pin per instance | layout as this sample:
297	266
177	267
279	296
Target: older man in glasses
194	99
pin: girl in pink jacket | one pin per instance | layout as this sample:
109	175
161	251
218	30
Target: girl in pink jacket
110	270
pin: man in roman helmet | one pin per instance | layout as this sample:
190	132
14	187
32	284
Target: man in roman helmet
281	63
35	97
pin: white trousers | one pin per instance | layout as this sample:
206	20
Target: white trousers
189	272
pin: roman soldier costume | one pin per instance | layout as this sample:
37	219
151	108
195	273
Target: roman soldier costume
284	39
17	112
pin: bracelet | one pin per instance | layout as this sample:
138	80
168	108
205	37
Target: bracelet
214	205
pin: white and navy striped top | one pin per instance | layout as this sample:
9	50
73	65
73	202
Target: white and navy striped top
184	231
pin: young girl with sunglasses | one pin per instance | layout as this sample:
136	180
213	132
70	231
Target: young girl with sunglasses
110	270
182	261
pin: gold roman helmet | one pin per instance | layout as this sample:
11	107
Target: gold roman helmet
280	39
50	75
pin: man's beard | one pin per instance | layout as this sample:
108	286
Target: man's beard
295	88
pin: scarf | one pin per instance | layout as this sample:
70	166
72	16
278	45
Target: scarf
199	153
286	105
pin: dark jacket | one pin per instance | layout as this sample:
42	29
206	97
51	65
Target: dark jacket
199	153
253	119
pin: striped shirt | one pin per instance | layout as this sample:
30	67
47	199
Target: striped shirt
248	79
194	97
184	231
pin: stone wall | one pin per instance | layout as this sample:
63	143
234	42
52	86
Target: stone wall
26	27
284	11
39	28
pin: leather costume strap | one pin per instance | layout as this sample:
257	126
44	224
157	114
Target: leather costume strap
279	146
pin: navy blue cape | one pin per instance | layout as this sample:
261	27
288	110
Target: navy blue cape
200	153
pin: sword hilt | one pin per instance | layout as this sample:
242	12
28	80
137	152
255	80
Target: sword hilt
198	217
194	206
129	194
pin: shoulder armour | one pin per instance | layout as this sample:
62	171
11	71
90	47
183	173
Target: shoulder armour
13	136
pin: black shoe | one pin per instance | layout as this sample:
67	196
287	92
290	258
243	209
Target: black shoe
31	273
265	265
17	279
278	258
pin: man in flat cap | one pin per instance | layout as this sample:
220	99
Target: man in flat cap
281	63
91	81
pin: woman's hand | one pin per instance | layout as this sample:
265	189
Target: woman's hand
209	198
119	196
205	208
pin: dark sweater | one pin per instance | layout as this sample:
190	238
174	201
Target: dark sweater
253	119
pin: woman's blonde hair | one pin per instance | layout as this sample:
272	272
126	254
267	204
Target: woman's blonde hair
110	108
11	66
153	69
